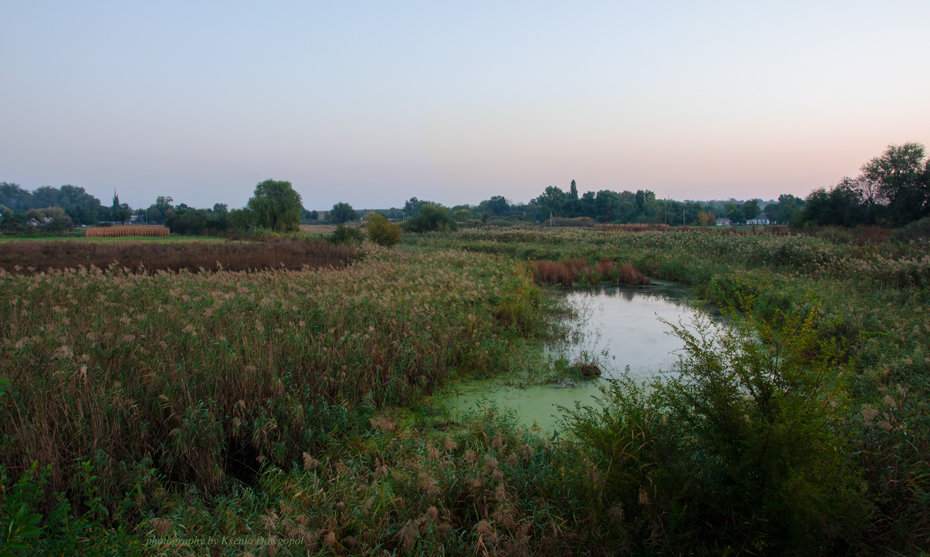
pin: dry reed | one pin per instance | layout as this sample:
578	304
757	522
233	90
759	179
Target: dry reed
127	231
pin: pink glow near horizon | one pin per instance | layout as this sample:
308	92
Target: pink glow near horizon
375	104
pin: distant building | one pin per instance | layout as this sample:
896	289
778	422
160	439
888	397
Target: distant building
724	222
761	219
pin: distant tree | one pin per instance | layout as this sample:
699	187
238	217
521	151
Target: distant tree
15	197
187	221
462	215
276	206
412	207
750	209
784	211
57	214
571	208
706	218
431	218
82	207
586	206
607	205
902	177
733	212
240	220
342	213
841	205
640	200
496	206
160	210
653	210
552	202
46	196
119	212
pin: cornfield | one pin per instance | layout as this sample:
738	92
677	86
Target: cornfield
124	231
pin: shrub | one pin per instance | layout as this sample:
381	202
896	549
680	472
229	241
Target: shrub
431	219
380	230
917	230
743	449
344	235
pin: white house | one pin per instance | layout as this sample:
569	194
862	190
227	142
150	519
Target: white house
761	219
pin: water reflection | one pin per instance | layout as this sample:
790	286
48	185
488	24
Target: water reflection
616	328
620	327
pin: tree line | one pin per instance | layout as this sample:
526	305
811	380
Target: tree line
892	189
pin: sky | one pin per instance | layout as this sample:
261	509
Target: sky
372	103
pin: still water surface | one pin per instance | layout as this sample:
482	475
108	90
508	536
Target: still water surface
617	328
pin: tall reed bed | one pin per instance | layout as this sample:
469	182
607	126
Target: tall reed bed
197	379
136	256
571	272
431	488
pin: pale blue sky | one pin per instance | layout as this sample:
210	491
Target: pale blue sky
375	102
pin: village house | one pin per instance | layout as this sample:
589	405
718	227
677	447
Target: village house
761	219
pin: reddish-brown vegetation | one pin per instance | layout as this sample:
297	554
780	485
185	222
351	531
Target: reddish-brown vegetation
572	271
27	257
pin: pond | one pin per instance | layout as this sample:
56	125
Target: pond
618	329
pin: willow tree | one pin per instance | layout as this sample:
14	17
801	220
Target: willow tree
276	206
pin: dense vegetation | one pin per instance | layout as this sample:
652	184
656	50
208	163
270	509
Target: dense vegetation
149	257
269	407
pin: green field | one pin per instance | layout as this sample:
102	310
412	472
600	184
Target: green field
288	410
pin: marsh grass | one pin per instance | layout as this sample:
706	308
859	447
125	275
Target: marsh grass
275	253
273	402
201	379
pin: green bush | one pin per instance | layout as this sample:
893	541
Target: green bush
380	230
917	230
743	449
431	219
343	235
